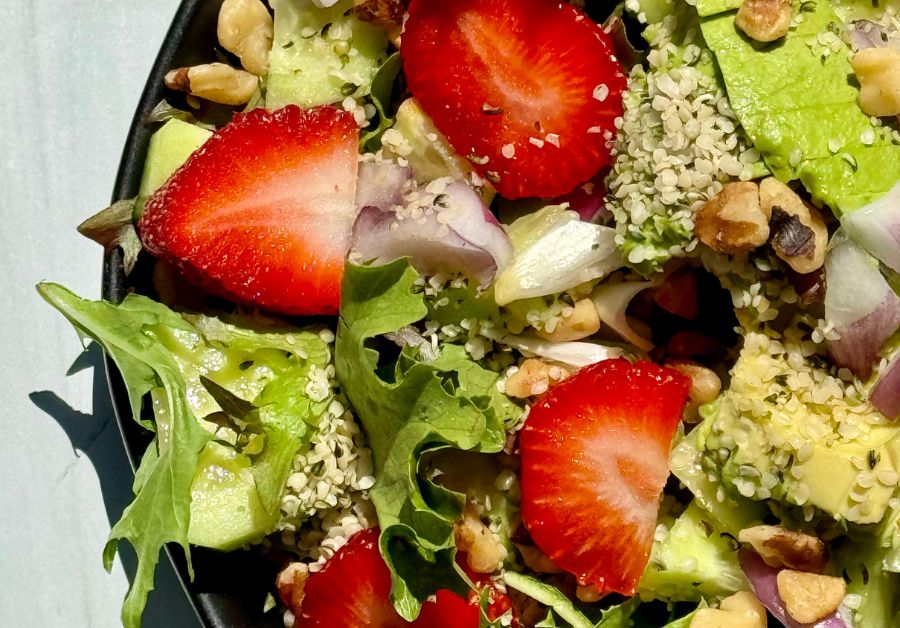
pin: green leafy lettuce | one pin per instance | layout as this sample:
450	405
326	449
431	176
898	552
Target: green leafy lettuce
796	100
208	378
408	406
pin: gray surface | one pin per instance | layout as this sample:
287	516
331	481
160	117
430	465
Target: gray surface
73	71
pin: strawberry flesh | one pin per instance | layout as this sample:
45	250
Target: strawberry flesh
353	590
261	214
528	89
595	452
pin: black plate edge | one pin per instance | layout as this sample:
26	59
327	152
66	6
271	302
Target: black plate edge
219	600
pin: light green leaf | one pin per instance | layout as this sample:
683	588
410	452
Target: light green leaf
407	408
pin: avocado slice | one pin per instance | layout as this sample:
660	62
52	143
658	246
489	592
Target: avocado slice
321	55
170	147
695	559
226	512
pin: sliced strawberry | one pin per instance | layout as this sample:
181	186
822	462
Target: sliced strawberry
261	214
353	590
595	452
529	89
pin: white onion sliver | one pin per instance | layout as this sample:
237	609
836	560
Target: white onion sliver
612	301
764	581
576	354
557	254
876	227
860	303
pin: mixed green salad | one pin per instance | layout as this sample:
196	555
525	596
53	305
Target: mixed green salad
522	312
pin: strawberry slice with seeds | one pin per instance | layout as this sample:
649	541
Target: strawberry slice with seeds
353	590
527	89
595	453
261	214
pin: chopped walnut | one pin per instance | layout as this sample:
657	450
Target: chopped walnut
385	13
245	27
780	547
582	322
216	82
290	583
809	597
878	71
705	386
536	560
484	553
798	234
764	20
732	221
534	377
741	610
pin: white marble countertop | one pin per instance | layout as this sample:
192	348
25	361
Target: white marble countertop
73	74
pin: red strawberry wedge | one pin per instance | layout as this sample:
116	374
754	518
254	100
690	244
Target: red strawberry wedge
595	458
527	89
261	214
353	591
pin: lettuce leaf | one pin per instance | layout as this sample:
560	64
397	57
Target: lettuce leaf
160	511
253	371
794	100
408	406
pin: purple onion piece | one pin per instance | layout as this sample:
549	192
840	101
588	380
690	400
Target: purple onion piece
764	581
589	201
861	304
862	34
886	394
458	235
381	184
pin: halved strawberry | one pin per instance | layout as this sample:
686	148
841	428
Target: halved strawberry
353	590
529	89
261	214
595	454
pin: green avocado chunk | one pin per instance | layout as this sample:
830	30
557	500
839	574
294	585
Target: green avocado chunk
796	99
170	147
696	558
224	484
321	56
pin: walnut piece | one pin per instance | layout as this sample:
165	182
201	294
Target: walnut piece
290	583
798	234
779	547
385	13
216	82
705	386
245	27
484	553
741	610
809	597
878	71
534	377
581	323
764	20
732	221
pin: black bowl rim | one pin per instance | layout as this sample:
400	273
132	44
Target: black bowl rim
216	606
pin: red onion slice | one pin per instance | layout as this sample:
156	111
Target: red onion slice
575	353
764	581
860	303
862	34
382	183
886	394
876	227
452	232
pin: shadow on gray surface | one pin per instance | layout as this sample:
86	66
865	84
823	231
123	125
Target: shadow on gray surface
97	436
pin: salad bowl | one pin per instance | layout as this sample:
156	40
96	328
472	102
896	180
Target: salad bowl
227	589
